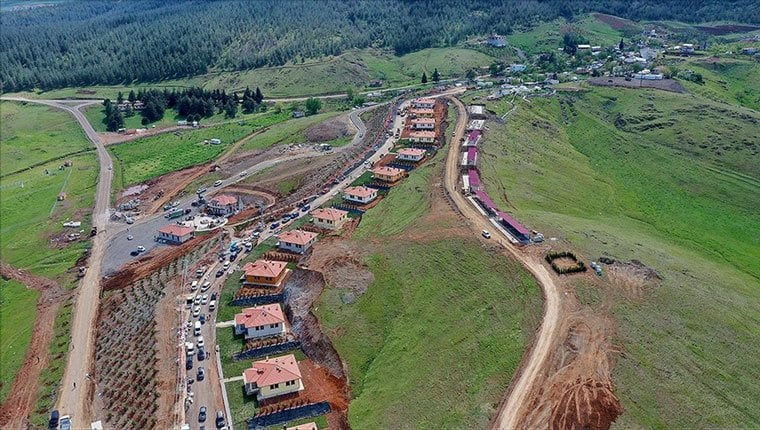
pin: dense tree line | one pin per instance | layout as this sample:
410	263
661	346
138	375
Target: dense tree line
106	42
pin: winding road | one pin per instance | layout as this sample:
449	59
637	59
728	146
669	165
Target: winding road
74	397
512	408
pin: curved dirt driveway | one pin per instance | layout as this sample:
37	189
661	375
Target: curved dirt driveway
512	408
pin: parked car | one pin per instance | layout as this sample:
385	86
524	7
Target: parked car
197	300
204	299
200	342
486	234
213	296
130	237
201	374
194	286
219	273
134	253
212	305
53	422
202	414
218	183
196	311
202	318
305	208
219	419
201	354
206	286
189	362
66	423
140	248
243	173
274	225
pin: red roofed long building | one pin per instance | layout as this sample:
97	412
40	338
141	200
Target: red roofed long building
297	240
266	273
329	218
273	377
260	322
175	234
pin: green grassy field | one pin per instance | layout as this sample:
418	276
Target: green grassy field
447	319
34	134
153	156
731	81
95	115
547	36
288	132
670	180
353	69
15	329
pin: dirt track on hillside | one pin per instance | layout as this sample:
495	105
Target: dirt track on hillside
18	406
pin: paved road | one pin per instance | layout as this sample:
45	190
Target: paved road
74	398
512	409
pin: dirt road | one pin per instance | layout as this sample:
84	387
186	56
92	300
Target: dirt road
75	386
512	408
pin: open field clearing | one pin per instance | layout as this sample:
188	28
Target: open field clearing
434	339
34	134
288	132
731	81
547	36
153	156
669	180
15	329
354	69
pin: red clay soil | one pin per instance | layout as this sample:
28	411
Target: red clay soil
721	30
18	406
154	260
615	22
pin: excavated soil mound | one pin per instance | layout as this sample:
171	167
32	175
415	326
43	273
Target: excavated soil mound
340	263
330	130
586	404
633	278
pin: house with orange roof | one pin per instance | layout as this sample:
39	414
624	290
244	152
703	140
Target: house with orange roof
388	174
422	136
410	154
175	234
223	205
329	218
260	322
421	113
360	194
266	273
273	377
423	103
296	241
423	124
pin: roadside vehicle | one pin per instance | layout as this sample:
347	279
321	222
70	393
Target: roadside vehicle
202	318
243	173
201	190
201	344
206	286
486	234
218	183
274	225
66	423
219	273
201	374
202	414
213	296
197	330
226	265
201	354
194	286
130	237
140	248
54	418
212	305
305	208
189	362
204	299
197	300
219	419
190	348
134	253
196	311
233	256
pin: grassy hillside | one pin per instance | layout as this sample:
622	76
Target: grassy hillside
547	36
15	329
671	180
354	69
153	156
434	341
33	134
728	80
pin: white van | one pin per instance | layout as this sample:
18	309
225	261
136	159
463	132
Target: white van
197	330
206	286
212	305
194	286
190	348
226	265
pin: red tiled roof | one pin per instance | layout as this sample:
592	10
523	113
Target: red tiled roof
273	371
385	170
360	191
421	111
513	223
425	101
329	213
268	268
306	426
224	200
299	237
412	152
423	120
176	230
260	315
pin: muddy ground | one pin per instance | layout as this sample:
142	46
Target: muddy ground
18	406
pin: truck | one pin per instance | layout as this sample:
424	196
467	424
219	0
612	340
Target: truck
174	214
233	246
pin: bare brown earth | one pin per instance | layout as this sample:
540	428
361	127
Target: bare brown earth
331	129
23	393
662	84
723	29
615	22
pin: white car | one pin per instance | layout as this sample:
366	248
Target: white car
140	248
200	342
204	299
194	286
197	300
196	311
486	234
130	237
243	173
206	286
218	183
